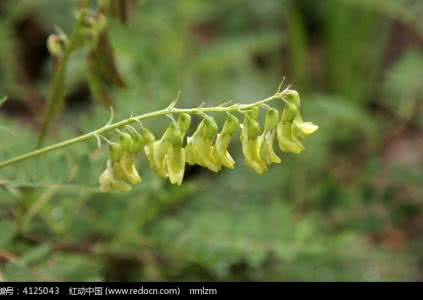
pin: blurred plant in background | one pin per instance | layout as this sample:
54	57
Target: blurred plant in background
349	208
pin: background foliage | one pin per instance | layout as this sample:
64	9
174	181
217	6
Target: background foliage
349	208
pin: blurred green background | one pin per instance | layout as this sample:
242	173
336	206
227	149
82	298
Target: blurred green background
348	208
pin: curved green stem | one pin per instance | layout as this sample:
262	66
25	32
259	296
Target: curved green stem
158	113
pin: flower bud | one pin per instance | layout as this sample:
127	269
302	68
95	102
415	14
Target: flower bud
138	142
56	45
125	140
116	151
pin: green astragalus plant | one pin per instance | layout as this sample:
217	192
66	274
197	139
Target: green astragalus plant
207	147
169	154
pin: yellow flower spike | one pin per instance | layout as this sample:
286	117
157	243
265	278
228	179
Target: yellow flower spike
251	144
206	147
223	139
200	145
268	136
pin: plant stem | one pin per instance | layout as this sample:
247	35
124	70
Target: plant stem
58	90
158	113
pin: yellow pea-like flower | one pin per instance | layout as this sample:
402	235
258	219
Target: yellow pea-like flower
288	142
123	163
108	182
127	166
220	150
268	137
251	151
110	178
200	145
160	149
175	163
267	151
175	156
251	144
292	129
167	156
302	128
155	151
